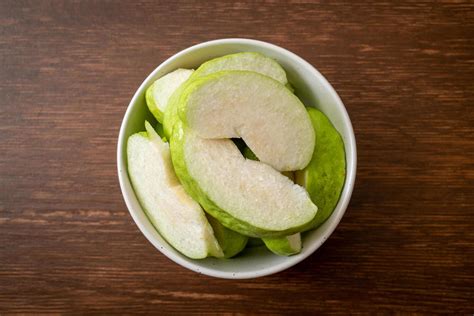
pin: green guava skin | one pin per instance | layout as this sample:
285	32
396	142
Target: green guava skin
151	104
250	61
325	174
230	241
171	116
281	246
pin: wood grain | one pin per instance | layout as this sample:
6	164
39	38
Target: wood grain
405	71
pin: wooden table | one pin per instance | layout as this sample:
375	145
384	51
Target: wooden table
405	72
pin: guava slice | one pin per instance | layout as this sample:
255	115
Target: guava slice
177	217
247	196
249	61
268	117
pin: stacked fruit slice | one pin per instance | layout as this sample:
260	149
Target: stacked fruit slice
204	194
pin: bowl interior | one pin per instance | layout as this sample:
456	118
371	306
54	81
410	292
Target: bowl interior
311	88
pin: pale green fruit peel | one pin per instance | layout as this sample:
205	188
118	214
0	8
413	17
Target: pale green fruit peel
230	241
284	246
324	176
171	116
249	61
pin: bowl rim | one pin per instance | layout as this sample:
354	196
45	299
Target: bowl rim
351	161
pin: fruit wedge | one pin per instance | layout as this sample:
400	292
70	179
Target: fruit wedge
246	196
243	61
268	117
324	176
231	242
284	246
158	94
178	218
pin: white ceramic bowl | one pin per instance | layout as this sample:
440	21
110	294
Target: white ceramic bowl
311	87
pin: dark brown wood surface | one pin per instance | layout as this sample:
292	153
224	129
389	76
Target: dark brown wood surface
405	72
